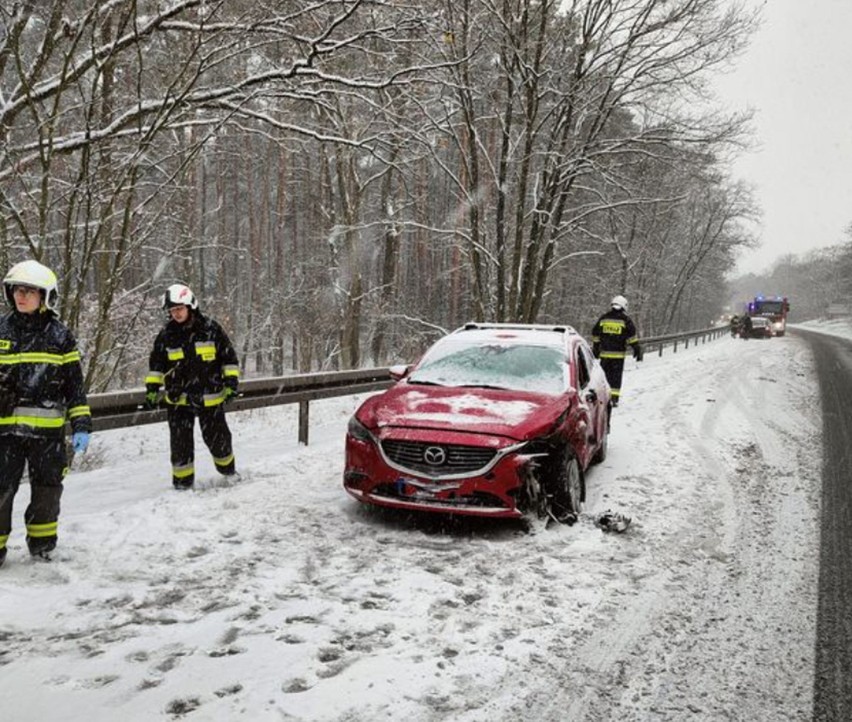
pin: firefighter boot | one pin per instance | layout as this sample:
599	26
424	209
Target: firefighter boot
41	548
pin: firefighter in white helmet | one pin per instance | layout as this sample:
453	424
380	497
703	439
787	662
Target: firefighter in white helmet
41	388
612	335
194	371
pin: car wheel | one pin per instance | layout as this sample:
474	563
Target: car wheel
568	491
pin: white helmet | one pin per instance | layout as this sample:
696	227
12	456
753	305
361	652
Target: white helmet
619	303
179	294
34	275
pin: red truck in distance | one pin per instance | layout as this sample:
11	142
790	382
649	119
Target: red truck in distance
772	308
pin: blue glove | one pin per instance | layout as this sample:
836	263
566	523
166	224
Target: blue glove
80	441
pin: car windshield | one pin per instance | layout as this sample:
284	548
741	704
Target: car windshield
769	307
494	365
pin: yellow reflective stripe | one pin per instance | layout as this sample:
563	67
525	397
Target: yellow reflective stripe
38	531
614	327
174	354
3	538
154	377
5	344
37	418
33	421
596	339
180	401
181	472
635	339
206	349
223	462
39	357
615	392
231	370
613	354
214	399
76	411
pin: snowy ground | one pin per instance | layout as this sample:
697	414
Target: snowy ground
281	598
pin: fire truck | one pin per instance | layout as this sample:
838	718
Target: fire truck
773	308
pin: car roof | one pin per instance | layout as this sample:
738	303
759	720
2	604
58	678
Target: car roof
514	333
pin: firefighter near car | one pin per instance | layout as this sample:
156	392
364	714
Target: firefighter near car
773	308
194	372
495	420
612	336
735	323
41	389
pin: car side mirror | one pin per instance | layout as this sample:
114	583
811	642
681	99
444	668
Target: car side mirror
399	371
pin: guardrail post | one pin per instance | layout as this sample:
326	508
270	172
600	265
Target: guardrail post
674	350
303	422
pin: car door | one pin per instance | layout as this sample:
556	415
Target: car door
584	436
595	392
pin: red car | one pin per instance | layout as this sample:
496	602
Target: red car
496	420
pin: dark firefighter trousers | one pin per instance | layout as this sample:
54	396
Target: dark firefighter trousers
47	465
214	432
614	370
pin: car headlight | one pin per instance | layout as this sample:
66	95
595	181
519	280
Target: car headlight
358	431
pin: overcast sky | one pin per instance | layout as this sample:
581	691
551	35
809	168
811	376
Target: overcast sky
797	76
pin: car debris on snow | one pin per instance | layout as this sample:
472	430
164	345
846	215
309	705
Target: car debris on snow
613	521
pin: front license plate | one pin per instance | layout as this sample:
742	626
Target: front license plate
413	489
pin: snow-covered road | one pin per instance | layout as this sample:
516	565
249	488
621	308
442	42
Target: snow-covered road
281	598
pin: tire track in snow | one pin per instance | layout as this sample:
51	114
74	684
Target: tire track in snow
643	663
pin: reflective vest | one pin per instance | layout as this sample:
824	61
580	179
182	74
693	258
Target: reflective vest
612	334
193	362
41	376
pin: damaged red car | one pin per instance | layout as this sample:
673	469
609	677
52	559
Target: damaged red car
495	420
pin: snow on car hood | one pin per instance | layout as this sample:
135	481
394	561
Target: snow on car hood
519	415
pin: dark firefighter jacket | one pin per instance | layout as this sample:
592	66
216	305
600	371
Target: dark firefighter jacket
41	377
612	334
195	361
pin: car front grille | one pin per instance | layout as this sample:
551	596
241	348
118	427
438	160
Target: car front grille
457	459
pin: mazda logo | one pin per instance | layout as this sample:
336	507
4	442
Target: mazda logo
434	455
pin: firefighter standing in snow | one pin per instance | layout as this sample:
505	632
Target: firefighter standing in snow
195	361
41	387
611	336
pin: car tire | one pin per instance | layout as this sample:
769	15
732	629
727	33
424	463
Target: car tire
569	490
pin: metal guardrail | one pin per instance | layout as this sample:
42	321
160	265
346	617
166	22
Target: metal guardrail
673	339
120	409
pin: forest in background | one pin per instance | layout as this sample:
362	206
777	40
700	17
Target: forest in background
341	180
818	283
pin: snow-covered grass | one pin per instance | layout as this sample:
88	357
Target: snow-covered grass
281	598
